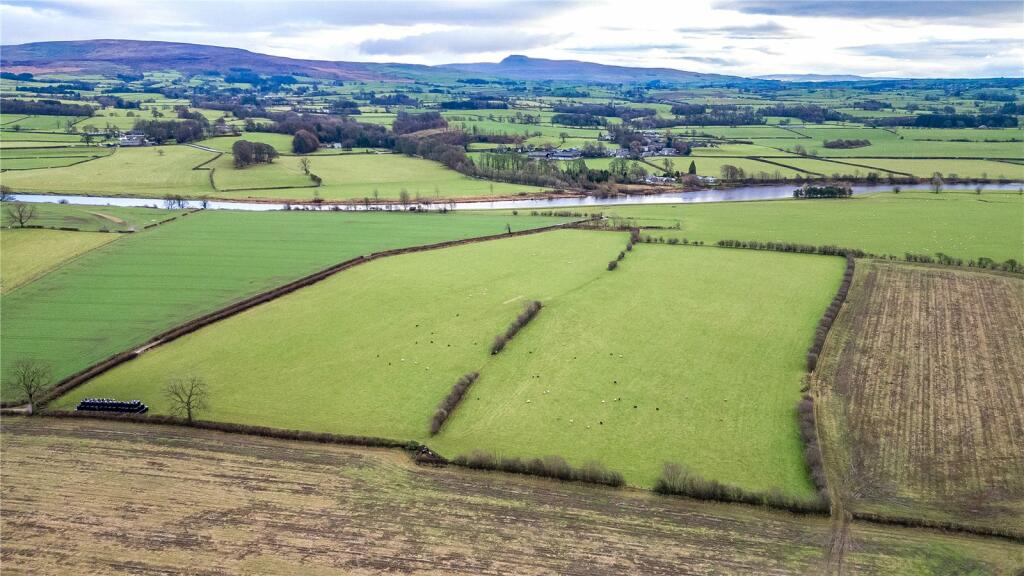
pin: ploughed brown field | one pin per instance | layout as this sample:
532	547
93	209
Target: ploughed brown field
922	396
90	496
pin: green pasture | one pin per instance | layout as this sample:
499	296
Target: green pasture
122	294
886	143
158	171
149	171
961	224
39	122
949	168
738	150
281	142
94	218
15	138
109	121
381	343
26	254
974	134
702	366
380	367
35	158
358	176
77	151
753	168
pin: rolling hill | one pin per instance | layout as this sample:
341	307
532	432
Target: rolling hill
517	67
124	56
135	56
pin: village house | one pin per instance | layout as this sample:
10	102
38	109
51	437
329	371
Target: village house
225	130
132	139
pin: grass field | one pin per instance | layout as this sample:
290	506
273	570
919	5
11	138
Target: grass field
94	218
738	150
452	302
712	166
42	162
281	142
630	369
392	373
108	122
926	143
149	172
960	224
282	172
157	499
26	254
357	176
39	122
158	171
122	294
922	383
948	168
15	139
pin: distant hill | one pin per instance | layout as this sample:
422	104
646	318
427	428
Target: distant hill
820	78
524	68
135	56
123	56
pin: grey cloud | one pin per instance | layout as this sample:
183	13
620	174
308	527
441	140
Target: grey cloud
618	48
947	11
215	13
711	60
932	49
457	42
759	31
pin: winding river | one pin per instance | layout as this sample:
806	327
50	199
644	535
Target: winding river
746	193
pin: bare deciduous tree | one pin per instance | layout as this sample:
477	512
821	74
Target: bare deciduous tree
187	396
21	213
304	164
31	377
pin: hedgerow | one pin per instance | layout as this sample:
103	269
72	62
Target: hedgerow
530	311
825	324
548	467
812	449
676	480
447	406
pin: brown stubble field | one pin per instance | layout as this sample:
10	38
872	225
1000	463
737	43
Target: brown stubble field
921	396
90	496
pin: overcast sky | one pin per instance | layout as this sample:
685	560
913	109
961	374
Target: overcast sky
906	38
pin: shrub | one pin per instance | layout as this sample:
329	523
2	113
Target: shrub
448	404
792	247
279	433
812	450
547	467
677	480
825	324
530	311
613	265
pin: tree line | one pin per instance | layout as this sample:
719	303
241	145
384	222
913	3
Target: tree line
44	108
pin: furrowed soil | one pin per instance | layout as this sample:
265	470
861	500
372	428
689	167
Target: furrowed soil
922	388
85	496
